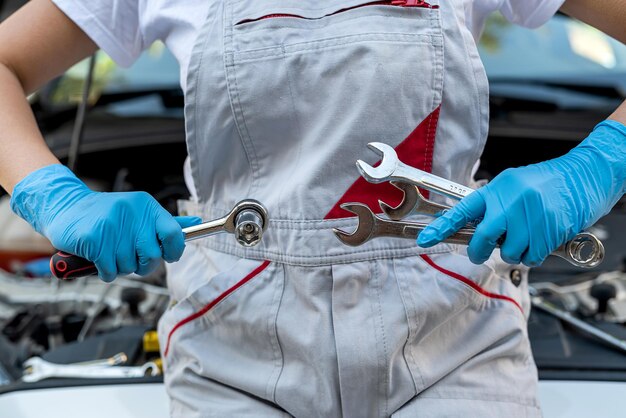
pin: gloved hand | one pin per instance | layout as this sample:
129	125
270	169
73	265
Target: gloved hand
539	207
120	233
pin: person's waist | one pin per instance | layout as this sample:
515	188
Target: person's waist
307	242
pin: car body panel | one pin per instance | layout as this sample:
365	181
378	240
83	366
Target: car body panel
559	399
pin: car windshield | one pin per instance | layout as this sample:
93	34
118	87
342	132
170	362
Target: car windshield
563	47
156	68
128	90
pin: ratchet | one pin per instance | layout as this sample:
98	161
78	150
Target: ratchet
247	221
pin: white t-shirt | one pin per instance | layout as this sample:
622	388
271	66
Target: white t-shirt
124	28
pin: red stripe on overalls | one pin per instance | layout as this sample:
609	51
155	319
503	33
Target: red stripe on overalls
214	302
470	283
416	150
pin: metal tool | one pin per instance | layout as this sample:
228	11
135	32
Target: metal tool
371	226
584	250
247	221
36	369
116	360
391	168
540	303
413	201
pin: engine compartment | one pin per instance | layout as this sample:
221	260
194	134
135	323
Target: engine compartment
66	322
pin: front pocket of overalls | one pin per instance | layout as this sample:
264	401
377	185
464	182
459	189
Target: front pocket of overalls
455	309
309	91
226	330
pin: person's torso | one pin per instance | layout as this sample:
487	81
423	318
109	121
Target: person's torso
178	23
283	97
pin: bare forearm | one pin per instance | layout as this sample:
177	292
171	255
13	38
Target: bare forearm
619	114
37	43
609	16
22	148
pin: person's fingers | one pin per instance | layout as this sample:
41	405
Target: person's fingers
148	253
187	221
126	257
106	265
516	241
98	245
469	208
539	246
486	237
535	256
171	237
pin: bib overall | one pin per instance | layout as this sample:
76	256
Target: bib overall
282	98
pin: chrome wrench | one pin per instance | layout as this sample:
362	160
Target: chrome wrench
247	221
372	226
413	201
584	250
391	168
36	369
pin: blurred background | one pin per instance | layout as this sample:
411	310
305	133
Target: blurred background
549	87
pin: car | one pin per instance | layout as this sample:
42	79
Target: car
549	87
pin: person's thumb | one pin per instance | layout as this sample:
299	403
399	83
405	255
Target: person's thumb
187	221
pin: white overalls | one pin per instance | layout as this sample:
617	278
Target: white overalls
282	98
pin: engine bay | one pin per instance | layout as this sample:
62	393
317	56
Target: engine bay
78	321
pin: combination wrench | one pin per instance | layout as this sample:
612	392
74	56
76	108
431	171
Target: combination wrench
36	369
392	169
584	250
372	226
413	202
247	221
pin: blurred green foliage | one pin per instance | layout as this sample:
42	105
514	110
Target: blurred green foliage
494	27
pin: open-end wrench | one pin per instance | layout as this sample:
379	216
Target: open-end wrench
115	360
391	168
36	369
413	201
372	226
585	250
247	221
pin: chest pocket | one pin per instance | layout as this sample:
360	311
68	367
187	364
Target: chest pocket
311	83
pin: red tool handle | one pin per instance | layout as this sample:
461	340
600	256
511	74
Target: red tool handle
69	266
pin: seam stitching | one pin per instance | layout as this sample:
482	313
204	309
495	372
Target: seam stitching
330	42
213	303
471	284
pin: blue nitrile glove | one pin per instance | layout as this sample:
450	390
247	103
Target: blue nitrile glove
120	233
541	206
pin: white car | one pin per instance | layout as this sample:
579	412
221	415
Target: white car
548	89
